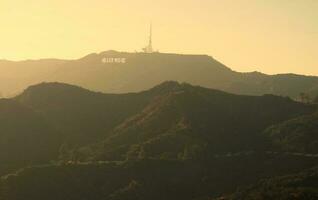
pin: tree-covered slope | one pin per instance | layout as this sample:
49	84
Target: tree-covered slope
25	137
295	135
185	120
81	115
300	186
174	141
171	120
146	179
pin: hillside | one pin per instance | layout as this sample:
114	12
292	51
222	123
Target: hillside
26	138
146	179
81	115
295	135
300	186
120	72
171	120
187	121
172	141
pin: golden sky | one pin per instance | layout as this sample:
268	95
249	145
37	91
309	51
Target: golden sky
272	36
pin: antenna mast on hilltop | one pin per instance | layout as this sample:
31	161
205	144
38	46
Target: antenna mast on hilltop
148	48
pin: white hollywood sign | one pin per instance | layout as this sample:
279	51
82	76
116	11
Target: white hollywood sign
114	60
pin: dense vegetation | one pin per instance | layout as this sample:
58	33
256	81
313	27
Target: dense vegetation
296	135
25	137
174	141
187	121
80	115
146	179
303	185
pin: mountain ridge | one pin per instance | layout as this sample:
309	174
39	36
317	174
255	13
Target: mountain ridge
174	140
141	71
193	110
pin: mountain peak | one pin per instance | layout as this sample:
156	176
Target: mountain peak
45	86
168	85
52	91
175	87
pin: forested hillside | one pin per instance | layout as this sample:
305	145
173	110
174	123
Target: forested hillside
302	185
176	140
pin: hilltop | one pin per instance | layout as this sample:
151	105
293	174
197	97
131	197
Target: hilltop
172	120
175	140
122	72
187	121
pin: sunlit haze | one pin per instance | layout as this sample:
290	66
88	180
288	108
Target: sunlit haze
271	36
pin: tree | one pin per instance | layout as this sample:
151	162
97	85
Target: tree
304	97
315	99
142	153
64	153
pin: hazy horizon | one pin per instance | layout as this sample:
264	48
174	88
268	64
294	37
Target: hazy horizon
267	36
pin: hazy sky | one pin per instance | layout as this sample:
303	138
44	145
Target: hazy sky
271	36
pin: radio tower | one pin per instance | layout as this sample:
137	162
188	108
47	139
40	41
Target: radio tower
148	48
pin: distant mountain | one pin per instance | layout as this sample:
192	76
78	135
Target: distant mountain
16	76
120	72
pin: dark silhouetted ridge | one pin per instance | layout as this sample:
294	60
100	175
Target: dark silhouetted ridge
173	141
